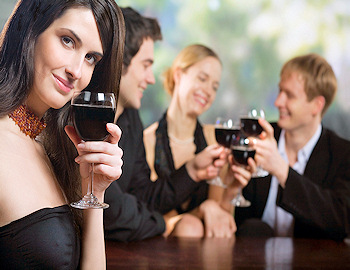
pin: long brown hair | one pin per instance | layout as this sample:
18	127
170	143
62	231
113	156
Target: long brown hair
29	19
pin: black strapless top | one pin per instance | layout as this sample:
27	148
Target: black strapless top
45	239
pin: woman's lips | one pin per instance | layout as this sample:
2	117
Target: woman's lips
202	100
64	85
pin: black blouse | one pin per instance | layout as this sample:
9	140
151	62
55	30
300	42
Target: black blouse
164	163
45	239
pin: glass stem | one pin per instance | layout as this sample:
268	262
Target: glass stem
238	196
91	178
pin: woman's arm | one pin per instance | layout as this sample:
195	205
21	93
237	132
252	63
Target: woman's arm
106	156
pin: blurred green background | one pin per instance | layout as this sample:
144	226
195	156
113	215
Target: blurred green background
253	38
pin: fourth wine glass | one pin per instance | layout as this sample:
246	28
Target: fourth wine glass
251	127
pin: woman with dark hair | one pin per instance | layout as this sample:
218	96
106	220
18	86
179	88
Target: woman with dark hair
50	49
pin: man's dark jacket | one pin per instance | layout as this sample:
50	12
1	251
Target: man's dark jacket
136	204
319	200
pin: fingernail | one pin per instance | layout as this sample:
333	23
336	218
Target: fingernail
81	145
77	160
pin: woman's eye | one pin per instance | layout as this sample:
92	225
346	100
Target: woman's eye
202	79
91	59
67	41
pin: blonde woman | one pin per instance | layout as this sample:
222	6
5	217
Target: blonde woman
192	81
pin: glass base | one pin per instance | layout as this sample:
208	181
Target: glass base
260	172
240	201
216	182
89	201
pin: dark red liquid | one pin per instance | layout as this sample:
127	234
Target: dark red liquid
251	126
90	121
241	154
224	136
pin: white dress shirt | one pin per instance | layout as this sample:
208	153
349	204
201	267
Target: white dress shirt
280	220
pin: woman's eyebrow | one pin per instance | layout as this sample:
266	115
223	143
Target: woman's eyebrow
74	34
80	42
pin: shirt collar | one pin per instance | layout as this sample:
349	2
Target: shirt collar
305	152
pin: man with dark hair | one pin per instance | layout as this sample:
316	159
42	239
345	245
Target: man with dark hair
307	193
136	202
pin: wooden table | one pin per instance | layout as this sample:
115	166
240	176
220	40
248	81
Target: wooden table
236	253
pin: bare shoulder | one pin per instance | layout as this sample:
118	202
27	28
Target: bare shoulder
149	134
149	139
209	133
13	177
27	182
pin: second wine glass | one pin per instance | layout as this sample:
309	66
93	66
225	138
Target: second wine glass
90	114
224	130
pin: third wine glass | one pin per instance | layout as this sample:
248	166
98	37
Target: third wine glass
241	151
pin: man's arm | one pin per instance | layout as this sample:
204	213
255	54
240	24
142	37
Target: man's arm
321	197
129	219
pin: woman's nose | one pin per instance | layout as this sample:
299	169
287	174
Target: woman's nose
209	89
74	69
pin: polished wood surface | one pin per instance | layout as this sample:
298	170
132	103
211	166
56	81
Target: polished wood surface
236	253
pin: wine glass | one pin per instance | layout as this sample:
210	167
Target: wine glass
224	130
251	127
90	114
241	151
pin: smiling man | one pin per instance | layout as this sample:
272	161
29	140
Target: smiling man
136	202
307	193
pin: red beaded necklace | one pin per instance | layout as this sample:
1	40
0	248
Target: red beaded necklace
27	121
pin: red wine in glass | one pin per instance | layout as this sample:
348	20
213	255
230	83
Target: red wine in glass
242	153
90	121
251	126
224	136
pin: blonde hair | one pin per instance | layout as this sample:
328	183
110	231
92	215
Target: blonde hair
318	75
189	56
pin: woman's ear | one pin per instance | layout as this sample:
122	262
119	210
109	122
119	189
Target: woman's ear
177	75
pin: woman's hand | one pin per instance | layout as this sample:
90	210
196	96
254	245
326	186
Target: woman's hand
237	177
207	164
217	221
106	156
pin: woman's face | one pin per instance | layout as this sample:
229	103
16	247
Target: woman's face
196	87
65	56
